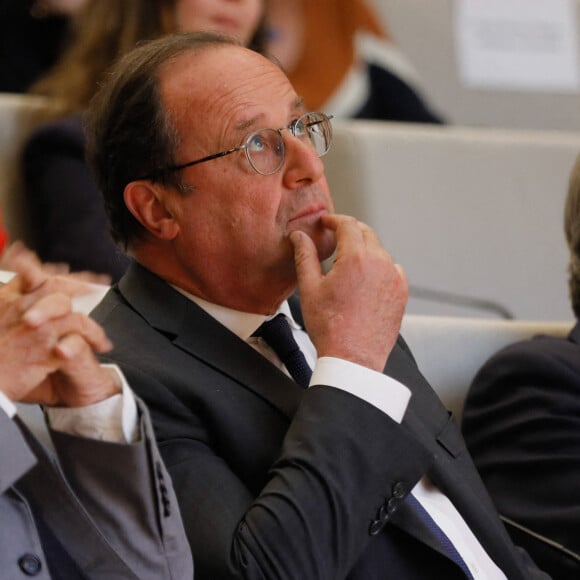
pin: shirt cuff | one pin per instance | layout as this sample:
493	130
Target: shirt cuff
385	393
7	405
114	420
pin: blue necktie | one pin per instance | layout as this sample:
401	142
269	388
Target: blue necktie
278	334
445	542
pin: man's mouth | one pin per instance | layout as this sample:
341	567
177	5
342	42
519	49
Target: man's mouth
312	211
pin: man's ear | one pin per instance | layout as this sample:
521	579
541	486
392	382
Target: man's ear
147	202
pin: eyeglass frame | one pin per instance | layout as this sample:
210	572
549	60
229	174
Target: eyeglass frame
291	127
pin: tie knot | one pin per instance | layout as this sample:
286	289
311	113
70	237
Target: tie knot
278	334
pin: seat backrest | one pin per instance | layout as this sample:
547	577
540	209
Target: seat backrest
450	350
19	115
467	212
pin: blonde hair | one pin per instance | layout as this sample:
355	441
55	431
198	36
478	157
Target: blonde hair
572	231
102	31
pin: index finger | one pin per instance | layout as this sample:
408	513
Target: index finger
26	265
84	326
348	230
50	306
55	285
334	220
352	225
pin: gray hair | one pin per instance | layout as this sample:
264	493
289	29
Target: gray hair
129	133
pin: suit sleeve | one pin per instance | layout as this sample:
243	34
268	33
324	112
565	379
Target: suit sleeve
522	426
338	460
128	493
325	489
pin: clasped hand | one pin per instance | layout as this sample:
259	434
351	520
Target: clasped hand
47	351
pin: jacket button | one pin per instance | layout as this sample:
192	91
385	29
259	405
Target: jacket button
382	514
30	564
399	490
375	527
392	506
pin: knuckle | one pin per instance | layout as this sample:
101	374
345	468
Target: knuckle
77	346
82	323
351	221
45	335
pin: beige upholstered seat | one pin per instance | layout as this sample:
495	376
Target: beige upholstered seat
450	350
19	114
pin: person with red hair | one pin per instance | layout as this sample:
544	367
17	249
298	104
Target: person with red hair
341	59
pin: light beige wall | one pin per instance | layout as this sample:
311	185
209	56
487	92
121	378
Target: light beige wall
423	30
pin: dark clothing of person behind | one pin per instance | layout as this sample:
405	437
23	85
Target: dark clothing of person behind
522	426
29	46
392	99
67	212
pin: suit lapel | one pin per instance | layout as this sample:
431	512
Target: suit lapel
194	331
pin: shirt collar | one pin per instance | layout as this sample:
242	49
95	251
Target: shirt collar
242	324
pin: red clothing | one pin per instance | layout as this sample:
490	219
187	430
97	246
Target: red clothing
3	235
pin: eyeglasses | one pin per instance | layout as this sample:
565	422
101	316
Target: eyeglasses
265	149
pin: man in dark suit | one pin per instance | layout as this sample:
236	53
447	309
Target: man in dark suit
522	425
105	509
212	175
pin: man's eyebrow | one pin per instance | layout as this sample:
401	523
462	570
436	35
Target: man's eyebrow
245	124
248	123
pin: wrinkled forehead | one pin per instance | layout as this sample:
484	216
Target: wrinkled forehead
222	82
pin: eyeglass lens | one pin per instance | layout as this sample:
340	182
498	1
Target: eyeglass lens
265	148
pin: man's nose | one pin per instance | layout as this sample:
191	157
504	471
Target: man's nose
303	164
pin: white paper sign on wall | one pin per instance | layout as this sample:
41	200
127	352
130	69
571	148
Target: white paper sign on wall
529	45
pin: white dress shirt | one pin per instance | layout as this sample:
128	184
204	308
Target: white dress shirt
113	420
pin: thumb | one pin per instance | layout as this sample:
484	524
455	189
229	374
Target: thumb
305	258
